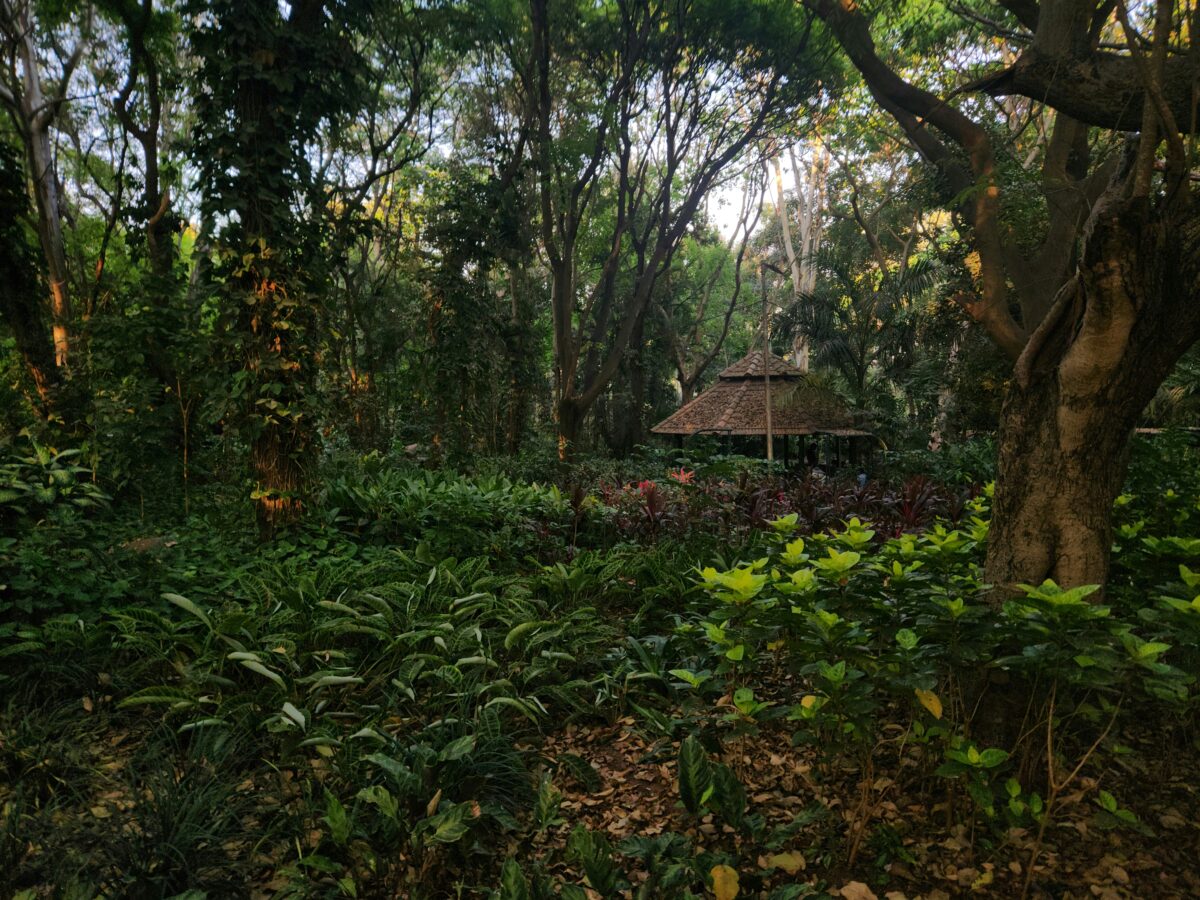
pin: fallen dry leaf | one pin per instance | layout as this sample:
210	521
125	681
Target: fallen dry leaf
856	890
725	882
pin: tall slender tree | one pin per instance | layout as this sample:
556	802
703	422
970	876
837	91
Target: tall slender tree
640	110
34	87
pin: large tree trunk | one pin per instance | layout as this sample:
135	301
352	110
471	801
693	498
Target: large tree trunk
687	391
36	111
1055	489
800	341
1113	335
255	65
518	360
629	403
278	456
21	310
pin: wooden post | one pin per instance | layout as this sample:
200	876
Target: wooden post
766	356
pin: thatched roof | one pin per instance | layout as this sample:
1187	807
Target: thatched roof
751	366
736	404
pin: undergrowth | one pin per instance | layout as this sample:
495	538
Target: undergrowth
378	704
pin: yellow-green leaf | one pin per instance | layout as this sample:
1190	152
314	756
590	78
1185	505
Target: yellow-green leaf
791	862
930	701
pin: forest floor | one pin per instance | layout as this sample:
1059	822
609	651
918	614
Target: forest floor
637	795
478	707
904	849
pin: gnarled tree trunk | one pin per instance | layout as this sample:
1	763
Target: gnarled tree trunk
1054	489
1112	336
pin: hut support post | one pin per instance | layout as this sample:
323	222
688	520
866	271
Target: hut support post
766	357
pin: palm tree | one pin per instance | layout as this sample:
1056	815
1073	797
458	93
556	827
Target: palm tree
861	319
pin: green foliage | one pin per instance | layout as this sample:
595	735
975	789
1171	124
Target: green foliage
453	515
893	634
403	690
368	701
695	775
41	482
594	854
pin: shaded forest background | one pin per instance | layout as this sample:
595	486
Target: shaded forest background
241	236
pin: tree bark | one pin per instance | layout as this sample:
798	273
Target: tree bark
1115	332
518	389
21	310
49	229
570	425
628	427
20	301
687	391
1086	366
258	65
800	341
1052	511
34	112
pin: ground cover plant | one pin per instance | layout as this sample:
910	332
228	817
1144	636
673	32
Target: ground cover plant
799	707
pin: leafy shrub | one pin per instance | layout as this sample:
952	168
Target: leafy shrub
44	483
894	634
389	691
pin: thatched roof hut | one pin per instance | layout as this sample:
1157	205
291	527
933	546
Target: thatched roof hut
736	404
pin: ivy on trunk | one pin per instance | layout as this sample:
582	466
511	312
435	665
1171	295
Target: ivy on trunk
272	79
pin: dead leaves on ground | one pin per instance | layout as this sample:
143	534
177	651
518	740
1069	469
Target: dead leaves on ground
637	795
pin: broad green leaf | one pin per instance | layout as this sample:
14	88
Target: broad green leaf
458	748
255	666
518	632
188	606
379	796
337	820
451	824
907	639
513	885
594	853
695	774
992	757
295	715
